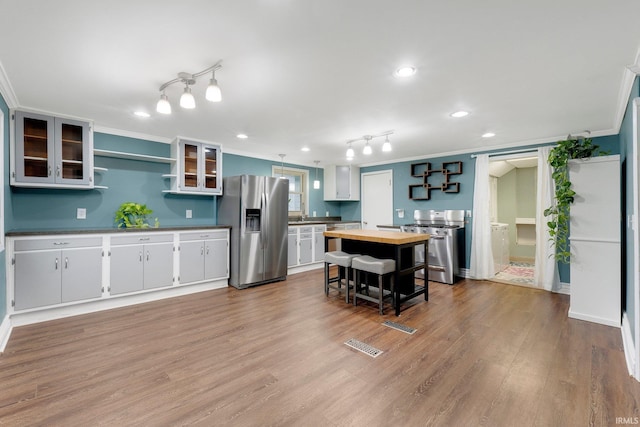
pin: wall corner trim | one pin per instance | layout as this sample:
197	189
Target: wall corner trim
6	90
5	332
628	346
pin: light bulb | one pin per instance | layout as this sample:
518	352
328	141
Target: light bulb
187	100
386	147
367	149
213	93
350	153
163	106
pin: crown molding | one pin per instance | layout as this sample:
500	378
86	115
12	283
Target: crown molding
131	134
6	90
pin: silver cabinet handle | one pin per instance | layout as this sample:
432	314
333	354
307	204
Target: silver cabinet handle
201	250
207	250
49	170
58	170
147	255
66	263
143	239
56	263
140	256
60	243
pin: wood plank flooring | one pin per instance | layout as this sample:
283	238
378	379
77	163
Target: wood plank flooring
484	354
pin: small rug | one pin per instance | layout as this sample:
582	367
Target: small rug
517	272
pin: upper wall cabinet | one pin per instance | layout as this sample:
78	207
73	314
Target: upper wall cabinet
50	151
341	182
197	169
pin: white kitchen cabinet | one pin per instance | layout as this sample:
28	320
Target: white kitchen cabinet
197	169
305	245
45	274
318	243
341	182
204	256
596	240
292	250
50	151
140	261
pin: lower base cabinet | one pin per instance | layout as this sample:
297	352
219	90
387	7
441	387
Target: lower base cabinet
46	271
45	275
203	256
140	262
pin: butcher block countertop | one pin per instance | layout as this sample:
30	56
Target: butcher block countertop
378	236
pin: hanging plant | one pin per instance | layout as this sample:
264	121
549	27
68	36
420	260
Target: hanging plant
559	156
134	215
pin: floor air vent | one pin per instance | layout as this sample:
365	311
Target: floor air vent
365	348
400	327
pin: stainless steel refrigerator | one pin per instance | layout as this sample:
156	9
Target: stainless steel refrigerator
256	207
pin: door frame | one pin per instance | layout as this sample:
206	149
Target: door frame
633	359
389	173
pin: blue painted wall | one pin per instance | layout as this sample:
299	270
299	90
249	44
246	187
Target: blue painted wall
626	157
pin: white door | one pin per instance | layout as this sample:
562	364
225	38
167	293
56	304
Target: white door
377	199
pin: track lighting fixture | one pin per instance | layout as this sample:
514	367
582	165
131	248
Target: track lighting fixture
367	150
187	99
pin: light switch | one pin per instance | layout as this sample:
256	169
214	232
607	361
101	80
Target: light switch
189	214
81	213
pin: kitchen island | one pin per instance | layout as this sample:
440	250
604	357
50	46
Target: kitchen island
396	245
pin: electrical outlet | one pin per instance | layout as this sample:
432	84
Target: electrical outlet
326	213
81	213
189	213
468	214
314	213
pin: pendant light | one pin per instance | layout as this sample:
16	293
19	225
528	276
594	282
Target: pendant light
213	93
282	165
163	106
350	153
316	182
187	100
386	147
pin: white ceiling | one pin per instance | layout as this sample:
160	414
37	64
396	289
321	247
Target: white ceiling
319	73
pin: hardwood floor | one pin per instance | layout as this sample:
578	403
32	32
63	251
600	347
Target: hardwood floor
484	354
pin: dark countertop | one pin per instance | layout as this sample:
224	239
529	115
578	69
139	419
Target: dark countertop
111	230
396	227
319	221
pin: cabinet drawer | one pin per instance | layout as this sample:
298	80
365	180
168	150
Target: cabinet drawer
141	239
293	230
305	236
57	243
319	228
306	229
203	235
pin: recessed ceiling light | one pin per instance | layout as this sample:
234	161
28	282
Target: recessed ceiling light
305	149
405	71
488	135
142	114
241	136
460	114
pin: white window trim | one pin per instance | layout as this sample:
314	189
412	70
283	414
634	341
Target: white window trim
276	171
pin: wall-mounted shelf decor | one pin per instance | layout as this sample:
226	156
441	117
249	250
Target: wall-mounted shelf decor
424	171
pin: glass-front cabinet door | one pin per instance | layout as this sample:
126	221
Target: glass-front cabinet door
210	167
34	156
51	151
72	148
190	166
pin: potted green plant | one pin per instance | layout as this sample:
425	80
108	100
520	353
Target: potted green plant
559	156
134	215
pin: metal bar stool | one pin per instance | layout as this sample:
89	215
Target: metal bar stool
379	267
343	261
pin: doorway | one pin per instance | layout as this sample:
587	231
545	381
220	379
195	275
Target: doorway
377	199
513	212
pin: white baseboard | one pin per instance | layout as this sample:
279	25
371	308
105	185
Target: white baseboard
565	288
306	267
594	319
629	348
58	312
5	332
